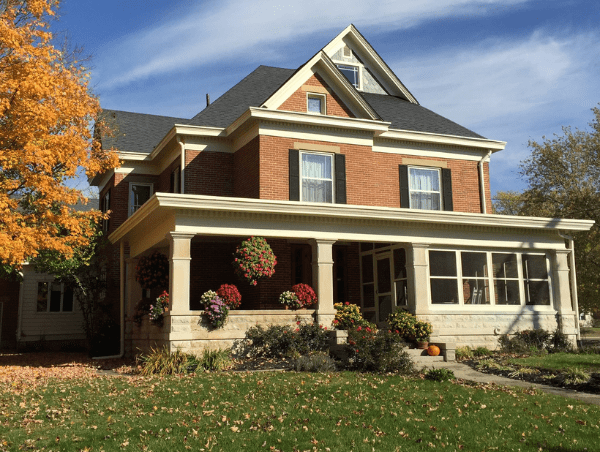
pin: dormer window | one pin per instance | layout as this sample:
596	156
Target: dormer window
316	103
351	73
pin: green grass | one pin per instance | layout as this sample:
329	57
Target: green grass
291	412
561	361
590	332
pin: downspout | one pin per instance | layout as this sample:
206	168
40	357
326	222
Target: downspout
573	276
182	171
121	304
482	182
20	308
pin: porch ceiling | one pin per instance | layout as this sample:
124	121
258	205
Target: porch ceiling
210	215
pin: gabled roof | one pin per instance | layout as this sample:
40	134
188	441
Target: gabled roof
404	115
252	91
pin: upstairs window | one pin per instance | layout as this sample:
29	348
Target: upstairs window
316	103
139	193
316	177
105	207
54	297
425	188
351	73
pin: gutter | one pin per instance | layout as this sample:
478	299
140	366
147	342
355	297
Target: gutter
482	182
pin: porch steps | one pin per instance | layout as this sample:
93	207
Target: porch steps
421	358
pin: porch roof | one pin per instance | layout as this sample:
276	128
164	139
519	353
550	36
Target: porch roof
218	216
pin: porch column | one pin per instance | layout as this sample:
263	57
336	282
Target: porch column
179	272
322	271
562	293
419	299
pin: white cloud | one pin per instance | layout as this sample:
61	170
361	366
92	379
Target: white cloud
214	31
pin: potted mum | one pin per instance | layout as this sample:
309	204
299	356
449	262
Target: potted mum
301	296
157	309
230	295
253	260
215	309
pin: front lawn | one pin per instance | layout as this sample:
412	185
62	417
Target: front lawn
590	332
276	411
561	361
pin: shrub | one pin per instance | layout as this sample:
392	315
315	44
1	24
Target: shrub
560	343
215	359
284	340
377	351
573	376
439	375
216	312
348	316
464	353
315	362
531	341
481	351
230	295
408	326
253	260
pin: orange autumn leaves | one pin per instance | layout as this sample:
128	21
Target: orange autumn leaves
46	110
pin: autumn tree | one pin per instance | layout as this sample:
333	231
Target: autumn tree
46	110
563	177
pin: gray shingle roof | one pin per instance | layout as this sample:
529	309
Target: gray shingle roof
406	116
252	91
136	132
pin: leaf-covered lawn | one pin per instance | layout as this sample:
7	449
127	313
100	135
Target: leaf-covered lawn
561	361
276	411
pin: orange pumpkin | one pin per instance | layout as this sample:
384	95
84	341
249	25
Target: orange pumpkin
433	350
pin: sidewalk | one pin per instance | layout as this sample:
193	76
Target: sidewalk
465	372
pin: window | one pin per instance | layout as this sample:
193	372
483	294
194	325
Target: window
139	193
506	278
400	277
316	103
351	73
443	277
54	297
535	275
175	181
475	282
105	207
425	188
316	177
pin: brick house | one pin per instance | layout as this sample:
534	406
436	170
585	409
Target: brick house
360	191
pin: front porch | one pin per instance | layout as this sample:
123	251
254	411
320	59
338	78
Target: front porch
378	258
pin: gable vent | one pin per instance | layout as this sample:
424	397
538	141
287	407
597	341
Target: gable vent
346	52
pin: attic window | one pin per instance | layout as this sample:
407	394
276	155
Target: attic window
351	73
346	52
316	103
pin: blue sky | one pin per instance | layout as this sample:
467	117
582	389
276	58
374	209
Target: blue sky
511	70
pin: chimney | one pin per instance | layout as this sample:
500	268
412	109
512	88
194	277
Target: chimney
207	99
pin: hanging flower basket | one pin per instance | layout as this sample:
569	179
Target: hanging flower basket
253	260
153	271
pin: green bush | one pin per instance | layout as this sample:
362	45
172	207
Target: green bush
439	375
369	350
284	340
481	351
530	341
214	360
315	362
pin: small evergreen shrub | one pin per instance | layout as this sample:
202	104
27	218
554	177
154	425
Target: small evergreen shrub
369	350
439	375
481	351
315	362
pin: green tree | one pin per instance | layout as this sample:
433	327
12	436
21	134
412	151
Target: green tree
563	177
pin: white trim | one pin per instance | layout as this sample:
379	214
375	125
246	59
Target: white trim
130	206
323	102
438	138
438	170
332	159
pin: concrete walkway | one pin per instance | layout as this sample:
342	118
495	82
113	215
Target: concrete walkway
465	372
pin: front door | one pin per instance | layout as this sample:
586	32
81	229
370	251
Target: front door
383	287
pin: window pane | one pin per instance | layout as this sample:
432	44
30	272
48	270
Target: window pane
534	266
67	300
55	298
314	190
444	291
425	201
399	263
537	293
42	297
369	295
316	166
384	284
401	293
442	263
140	194
424	180
505	265
474	264
476	291
314	104
507	292
367	269
351	73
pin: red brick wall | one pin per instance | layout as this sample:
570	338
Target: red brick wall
246	170
335	106
372	178
208	173
164	180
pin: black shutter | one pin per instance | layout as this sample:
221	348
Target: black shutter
340	179
294	175
404	193
447	188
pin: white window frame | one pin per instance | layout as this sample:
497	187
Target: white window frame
527	279
131	208
358	73
49	296
440	192
332	157
492	288
322	98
